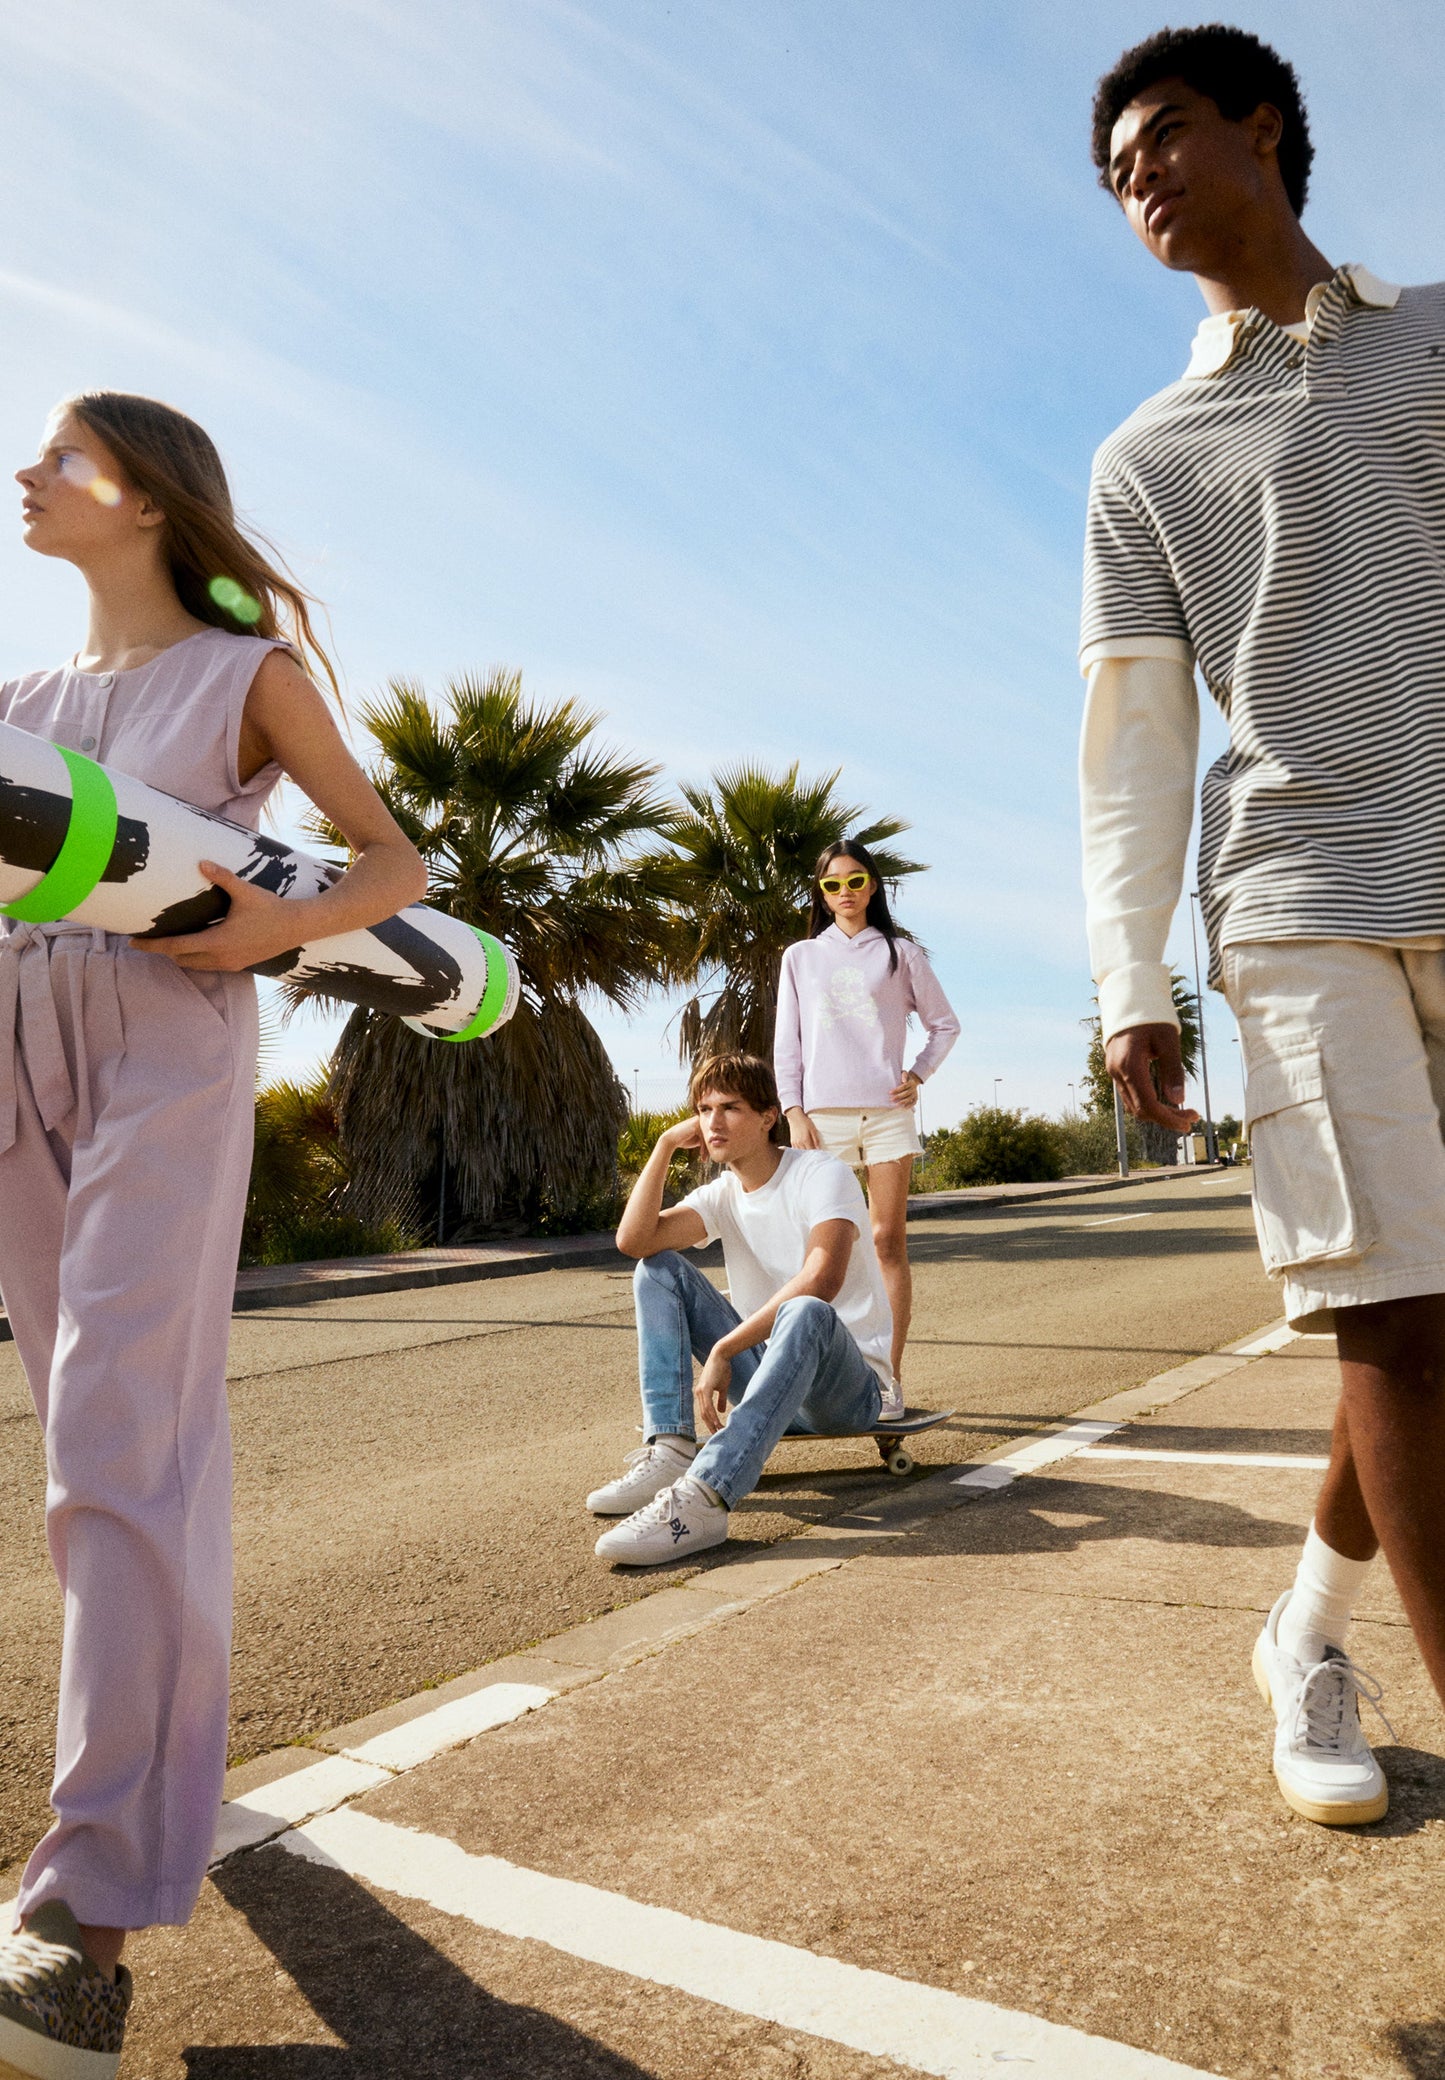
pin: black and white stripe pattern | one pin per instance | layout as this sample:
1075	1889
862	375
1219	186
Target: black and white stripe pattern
1285	517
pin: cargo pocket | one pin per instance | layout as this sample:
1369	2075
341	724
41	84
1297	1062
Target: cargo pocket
1304	1208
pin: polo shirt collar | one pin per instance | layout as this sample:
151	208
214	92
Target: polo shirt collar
1217	340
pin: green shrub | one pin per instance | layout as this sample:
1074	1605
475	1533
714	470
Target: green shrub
640	1137
295	1208
1088	1146
994	1146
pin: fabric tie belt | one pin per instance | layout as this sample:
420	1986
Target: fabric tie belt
60	1008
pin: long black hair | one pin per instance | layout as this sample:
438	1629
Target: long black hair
879	915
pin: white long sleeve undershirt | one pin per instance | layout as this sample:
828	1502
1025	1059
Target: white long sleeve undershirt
1137	756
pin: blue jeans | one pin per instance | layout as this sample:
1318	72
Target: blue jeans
809	1377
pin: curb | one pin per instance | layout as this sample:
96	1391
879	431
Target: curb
295	1284
939	1206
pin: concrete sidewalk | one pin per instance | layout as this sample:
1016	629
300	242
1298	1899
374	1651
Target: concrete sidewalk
977	1779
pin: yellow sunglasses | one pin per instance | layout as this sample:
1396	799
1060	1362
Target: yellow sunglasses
834	884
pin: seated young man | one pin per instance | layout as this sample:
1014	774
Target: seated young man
803	1346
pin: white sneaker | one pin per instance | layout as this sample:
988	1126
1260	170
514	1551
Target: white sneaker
651	1468
679	1522
1325	1768
891	1409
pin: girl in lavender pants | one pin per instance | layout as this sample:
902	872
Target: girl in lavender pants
127	1086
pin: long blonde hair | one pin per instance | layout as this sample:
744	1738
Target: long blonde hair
223	574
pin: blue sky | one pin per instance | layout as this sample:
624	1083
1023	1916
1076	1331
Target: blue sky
733	368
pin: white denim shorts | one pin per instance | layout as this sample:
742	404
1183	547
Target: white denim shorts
859	1137
1344	1057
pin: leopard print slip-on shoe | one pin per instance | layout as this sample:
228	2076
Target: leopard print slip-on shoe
60	2017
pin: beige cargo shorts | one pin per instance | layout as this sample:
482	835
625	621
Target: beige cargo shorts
1344	1061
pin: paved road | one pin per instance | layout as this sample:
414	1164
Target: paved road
409	1466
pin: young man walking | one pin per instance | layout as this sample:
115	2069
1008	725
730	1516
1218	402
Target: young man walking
1276	519
802	1345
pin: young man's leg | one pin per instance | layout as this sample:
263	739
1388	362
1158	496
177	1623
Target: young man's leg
1344	1047
812	1376
1392	1361
680	1316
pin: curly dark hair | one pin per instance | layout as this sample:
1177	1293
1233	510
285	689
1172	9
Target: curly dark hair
1234	69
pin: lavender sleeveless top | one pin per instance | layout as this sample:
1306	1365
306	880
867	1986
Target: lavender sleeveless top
174	723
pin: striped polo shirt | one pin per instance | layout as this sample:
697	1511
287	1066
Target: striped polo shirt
1278	517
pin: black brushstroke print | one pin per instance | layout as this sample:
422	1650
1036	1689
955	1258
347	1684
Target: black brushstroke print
34	822
436	981
272	866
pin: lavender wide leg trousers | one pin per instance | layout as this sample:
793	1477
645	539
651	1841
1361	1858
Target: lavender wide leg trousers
126	1117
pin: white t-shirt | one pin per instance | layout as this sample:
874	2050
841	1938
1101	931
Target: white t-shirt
765	1240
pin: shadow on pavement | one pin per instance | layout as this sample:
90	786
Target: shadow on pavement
1049	1245
1183	1437
399	2005
1417	1799
1104	1509
1421	2046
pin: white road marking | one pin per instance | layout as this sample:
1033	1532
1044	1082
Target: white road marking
1273	1339
257	1816
1127	1451
450	1725
1044	1451
924	2027
1112	1220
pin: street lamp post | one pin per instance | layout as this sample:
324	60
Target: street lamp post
1121	1132
996	1082
1211	1148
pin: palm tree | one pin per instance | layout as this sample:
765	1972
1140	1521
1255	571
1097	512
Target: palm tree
528	828
739	877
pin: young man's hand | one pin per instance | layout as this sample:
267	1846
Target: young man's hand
686	1134
710	1395
1128	1057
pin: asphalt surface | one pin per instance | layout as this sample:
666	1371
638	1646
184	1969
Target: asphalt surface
410	1466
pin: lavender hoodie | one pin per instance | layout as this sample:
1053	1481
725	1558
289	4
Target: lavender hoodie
842	1019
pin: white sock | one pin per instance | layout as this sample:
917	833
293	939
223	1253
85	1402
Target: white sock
686	1446
702	1488
1326	1585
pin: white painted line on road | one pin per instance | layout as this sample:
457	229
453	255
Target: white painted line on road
998	1473
1112	1220
924	2027
1273	1339
450	1725
255	1817
1128	1451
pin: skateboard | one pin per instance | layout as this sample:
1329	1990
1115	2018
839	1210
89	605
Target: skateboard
888	1436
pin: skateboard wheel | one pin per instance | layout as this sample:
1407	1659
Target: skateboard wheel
900	1461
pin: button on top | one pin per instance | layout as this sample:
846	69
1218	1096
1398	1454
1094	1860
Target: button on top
87	743
106	679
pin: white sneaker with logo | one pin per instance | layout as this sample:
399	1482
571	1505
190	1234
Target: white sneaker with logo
1325	1768
679	1522
650	1469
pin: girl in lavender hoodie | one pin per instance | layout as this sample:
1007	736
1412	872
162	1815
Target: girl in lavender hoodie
844	996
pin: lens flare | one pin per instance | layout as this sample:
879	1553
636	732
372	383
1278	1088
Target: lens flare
82	471
235	600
